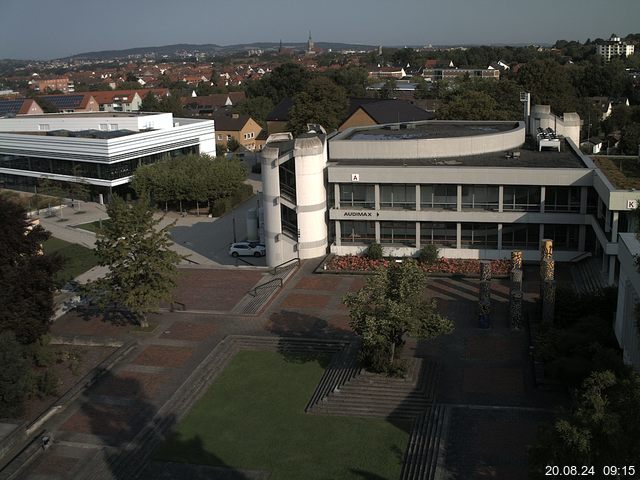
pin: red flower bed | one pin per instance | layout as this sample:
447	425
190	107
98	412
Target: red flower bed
458	266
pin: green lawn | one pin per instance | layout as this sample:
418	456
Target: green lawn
92	226
78	259
252	418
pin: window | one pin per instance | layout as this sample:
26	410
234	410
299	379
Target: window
357	195
103	126
396	196
562	199
480	197
287	172
521	236
439	197
357	232
479	235
565	237
219	137
289	222
521	198
43	127
442	234
403	233
113	126
228	138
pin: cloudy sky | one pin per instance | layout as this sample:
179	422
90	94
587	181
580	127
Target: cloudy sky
38	29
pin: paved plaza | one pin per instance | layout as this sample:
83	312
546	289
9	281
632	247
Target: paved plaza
486	381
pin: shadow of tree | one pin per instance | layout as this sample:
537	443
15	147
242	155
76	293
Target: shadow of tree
118	410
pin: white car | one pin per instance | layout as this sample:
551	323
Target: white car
247	249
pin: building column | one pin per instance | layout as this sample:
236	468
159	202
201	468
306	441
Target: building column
459	199
458	235
499	236
376	195
615	216
543	194
607	221
418	198
338	232
599	208
378	232
501	199
584	192
418	246
612	269
603	269
541	235
582	237
336	195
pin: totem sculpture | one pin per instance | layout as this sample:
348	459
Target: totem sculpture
547	281
484	296
515	292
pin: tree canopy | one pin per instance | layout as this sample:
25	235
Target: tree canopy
142	267
392	304
322	102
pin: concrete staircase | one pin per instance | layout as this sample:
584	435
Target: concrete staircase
260	295
423	453
587	277
372	395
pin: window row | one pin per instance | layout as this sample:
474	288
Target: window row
473	235
103	171
474	197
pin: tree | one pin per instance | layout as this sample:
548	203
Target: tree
599	429
284	81
15	375
150	103
257	108
26	276
172	104
389	88
142	267
322	102
470	105
630	141
549	84
390	306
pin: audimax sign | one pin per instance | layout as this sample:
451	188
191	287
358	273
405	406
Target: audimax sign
360	214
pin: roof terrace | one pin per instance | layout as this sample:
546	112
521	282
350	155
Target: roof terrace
622	172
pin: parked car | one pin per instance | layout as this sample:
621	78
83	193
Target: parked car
247	249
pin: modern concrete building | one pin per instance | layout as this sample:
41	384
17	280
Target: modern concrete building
474	189
100	149
627	326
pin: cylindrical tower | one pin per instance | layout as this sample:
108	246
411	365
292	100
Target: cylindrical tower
271	204
311	160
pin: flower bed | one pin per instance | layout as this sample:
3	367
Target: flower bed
449	266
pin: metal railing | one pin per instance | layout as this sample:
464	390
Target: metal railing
254	291
283	265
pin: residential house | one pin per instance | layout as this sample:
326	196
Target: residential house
364	112
19	106
614	47
118	100
388	72
73	103
279	117
62	84
242	128
209	104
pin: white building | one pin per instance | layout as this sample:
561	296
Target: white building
99	149
614	47
474	189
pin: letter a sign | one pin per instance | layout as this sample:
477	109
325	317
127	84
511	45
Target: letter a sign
355	177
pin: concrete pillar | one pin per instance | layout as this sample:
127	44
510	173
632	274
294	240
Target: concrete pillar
376	195
607	221
418	199
338	230
584	192
543	193
615	216
499	236
603	269
459	198
336	195
418	246
612	270
541	236
271	205
377	232
501	198
599	208
582	237
458	235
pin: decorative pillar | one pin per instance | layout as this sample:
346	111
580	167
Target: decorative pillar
484	295
515	291
516	259
547	281
548	301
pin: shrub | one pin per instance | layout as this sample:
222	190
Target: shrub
428	254
374	252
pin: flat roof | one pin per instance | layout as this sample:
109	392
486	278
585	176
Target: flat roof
99	134
528	158
87	115
622	172
430	129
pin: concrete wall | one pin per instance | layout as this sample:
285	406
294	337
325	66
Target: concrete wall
77	122
567	126
428	147
625	326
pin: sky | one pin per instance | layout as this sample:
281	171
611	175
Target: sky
39	29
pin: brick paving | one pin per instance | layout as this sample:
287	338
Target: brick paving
479	367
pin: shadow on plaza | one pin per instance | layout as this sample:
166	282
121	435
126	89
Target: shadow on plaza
118	411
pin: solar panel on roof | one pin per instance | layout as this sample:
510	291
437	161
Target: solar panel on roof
10	106
65	101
